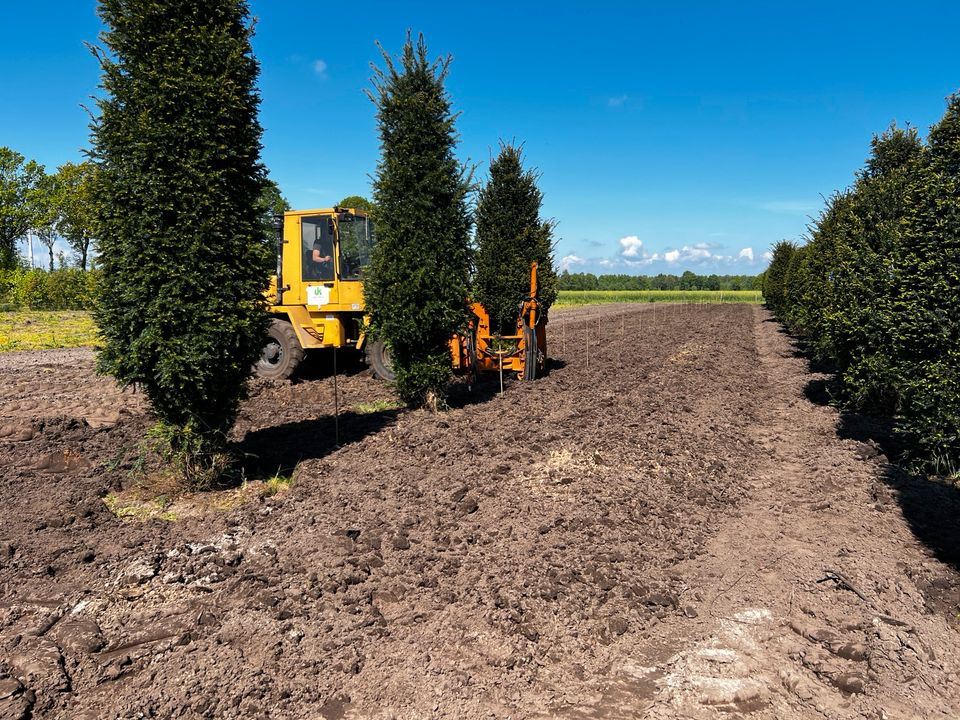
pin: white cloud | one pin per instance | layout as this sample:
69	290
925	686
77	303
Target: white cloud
618	101
632	246
320	68
746	253
699	253
568	261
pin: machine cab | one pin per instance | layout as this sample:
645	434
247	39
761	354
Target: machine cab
321	254
330	249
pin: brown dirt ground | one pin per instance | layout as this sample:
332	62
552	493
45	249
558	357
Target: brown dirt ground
665	526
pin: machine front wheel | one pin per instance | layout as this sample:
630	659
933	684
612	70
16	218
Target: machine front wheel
282	352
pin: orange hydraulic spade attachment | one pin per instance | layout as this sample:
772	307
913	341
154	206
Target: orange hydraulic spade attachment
524	353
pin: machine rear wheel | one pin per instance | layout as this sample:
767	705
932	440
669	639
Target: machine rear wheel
472	355
529	352
380	362
282	352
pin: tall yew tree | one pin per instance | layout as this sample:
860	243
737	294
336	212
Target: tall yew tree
510	236
177	142
417	282
925	298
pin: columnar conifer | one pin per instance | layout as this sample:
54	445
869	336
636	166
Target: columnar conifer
774	280
177	141
417	284
925	298
510	236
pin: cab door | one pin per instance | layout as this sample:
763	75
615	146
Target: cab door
318	261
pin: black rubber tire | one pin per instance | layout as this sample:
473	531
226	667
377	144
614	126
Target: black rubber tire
378	358
281	354
472	356
529	353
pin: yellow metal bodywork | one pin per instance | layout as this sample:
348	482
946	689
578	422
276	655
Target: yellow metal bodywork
339	319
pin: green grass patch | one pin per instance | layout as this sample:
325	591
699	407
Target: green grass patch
275	485
44	330
127	508
377	406
571	298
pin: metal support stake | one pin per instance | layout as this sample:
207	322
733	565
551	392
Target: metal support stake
336	401
500	355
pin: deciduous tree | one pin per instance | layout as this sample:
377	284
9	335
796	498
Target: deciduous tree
357	202
19	179
76	205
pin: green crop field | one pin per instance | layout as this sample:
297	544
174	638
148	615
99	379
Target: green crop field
42	330
568	298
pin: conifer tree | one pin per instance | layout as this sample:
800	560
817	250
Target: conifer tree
774	280
925	298
859	325
177	143
417	283
510	236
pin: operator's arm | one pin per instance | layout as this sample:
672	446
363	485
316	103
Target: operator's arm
317	257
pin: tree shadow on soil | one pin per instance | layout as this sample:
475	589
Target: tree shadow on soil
930	507
277	450
319	364
487	387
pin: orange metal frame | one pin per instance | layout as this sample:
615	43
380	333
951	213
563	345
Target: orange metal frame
481	351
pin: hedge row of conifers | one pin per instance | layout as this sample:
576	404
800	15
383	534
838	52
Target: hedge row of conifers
876	288
66	289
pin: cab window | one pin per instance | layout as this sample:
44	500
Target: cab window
317	247
356	242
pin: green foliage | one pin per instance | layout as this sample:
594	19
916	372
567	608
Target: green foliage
66	289
19	180
588	281
797	282
184	260
877	287
923	313
46	198
511	236
270	204
76	207
775	278
416	286
357	202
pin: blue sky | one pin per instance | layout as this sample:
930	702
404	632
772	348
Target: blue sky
688	137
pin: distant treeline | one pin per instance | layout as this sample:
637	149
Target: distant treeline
687	281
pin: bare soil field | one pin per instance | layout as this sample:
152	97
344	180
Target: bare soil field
666	526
